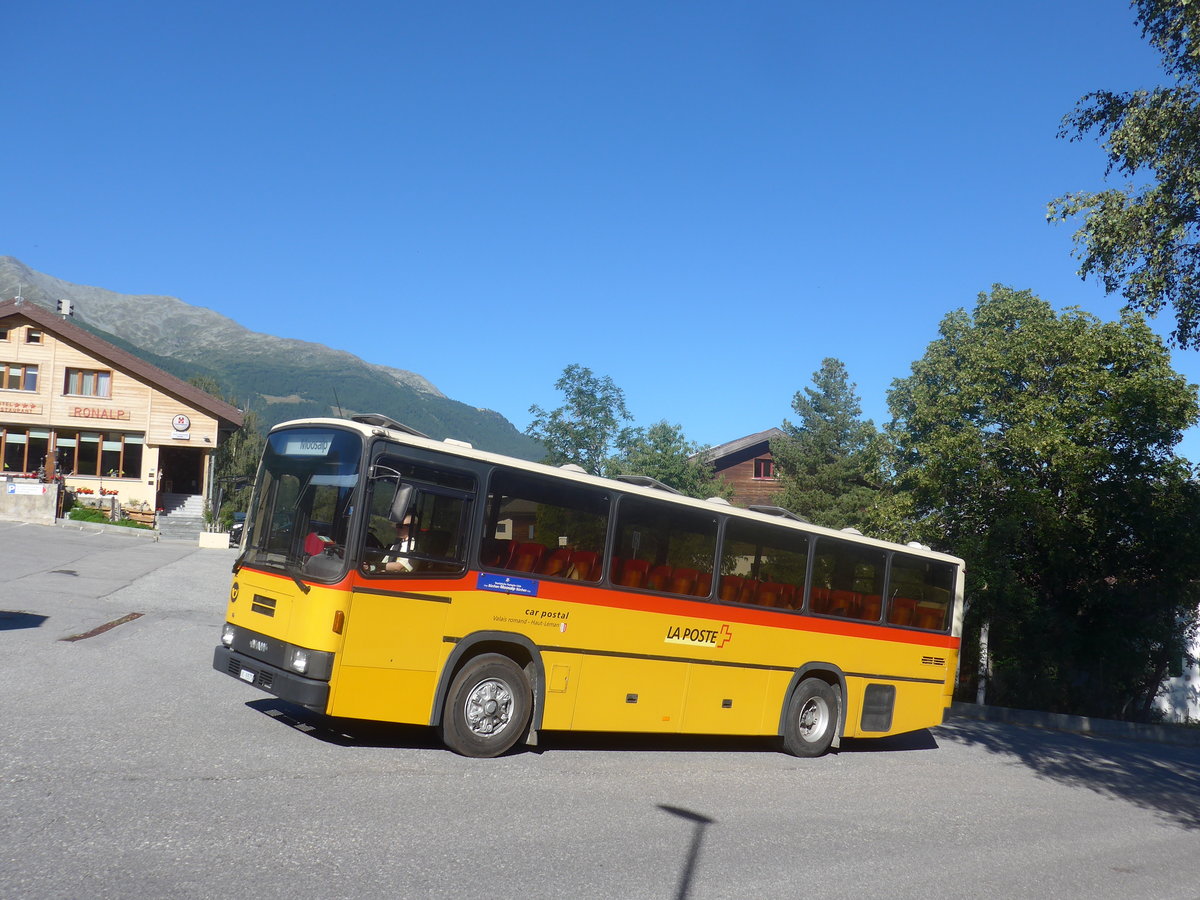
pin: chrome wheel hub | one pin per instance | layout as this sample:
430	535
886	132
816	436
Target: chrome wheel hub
488	708
814	719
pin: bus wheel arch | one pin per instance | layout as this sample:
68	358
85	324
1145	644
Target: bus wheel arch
500	657
813	715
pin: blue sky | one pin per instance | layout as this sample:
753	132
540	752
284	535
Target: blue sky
701	200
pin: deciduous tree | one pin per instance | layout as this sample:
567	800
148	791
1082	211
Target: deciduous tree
587	429
1142	237
235	460
662	451
1040	446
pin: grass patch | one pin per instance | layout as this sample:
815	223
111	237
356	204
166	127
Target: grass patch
87	514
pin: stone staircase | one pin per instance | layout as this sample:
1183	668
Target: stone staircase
182	518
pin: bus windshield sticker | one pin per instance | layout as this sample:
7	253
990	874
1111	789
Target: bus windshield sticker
308	445
507	584
336	480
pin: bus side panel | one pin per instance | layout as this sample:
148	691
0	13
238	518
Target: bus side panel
627	694
726	700
386	695
562	684
388	668
918	700
917	706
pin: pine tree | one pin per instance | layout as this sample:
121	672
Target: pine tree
828	462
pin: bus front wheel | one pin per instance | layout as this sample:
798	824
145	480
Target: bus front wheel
487	707
811	719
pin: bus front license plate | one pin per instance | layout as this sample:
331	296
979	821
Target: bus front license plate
247	675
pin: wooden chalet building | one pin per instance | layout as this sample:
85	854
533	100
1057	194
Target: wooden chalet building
75	406
747	466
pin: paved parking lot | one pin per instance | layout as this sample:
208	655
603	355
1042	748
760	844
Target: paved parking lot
129	767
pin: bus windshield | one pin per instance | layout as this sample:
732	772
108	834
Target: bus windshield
299	518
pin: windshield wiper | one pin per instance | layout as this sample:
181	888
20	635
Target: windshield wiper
293	570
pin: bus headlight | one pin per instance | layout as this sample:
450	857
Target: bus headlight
311	663
227	634
298	660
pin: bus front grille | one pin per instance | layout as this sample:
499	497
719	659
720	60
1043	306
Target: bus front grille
263	605
261	679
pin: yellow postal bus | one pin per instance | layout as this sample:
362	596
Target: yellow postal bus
391	577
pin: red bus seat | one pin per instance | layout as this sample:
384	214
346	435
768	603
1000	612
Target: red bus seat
632	572
556	563
844	603
901	610
585	565
818	600
730	588
496	552
930	617
659	578
683	581
772	593
872	605
526	557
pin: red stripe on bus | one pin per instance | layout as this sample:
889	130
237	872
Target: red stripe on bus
596	595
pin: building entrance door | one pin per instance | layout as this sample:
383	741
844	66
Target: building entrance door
182	470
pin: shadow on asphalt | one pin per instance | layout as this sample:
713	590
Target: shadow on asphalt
1157	777
14	620
347	732
897	743
357	733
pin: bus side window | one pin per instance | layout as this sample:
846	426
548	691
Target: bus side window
432	537
847	580
763	565
663	549
920	592
544	527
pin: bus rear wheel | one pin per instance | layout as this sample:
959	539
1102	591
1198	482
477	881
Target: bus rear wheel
487	707
811	719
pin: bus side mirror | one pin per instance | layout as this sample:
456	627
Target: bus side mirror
400	503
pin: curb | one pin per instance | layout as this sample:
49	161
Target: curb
205	540
101	528
1163	734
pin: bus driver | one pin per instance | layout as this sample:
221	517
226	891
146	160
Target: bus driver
393	561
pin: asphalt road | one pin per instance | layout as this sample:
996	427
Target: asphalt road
129	768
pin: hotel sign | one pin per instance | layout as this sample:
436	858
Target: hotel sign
13	406
93	412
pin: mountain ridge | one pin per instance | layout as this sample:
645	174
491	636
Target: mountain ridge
261	369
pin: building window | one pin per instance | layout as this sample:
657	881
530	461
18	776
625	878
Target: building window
88	383
3	334
113	454
764	468
24	450
33	336
18	377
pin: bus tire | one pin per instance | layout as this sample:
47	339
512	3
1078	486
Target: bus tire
811	719
487	707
